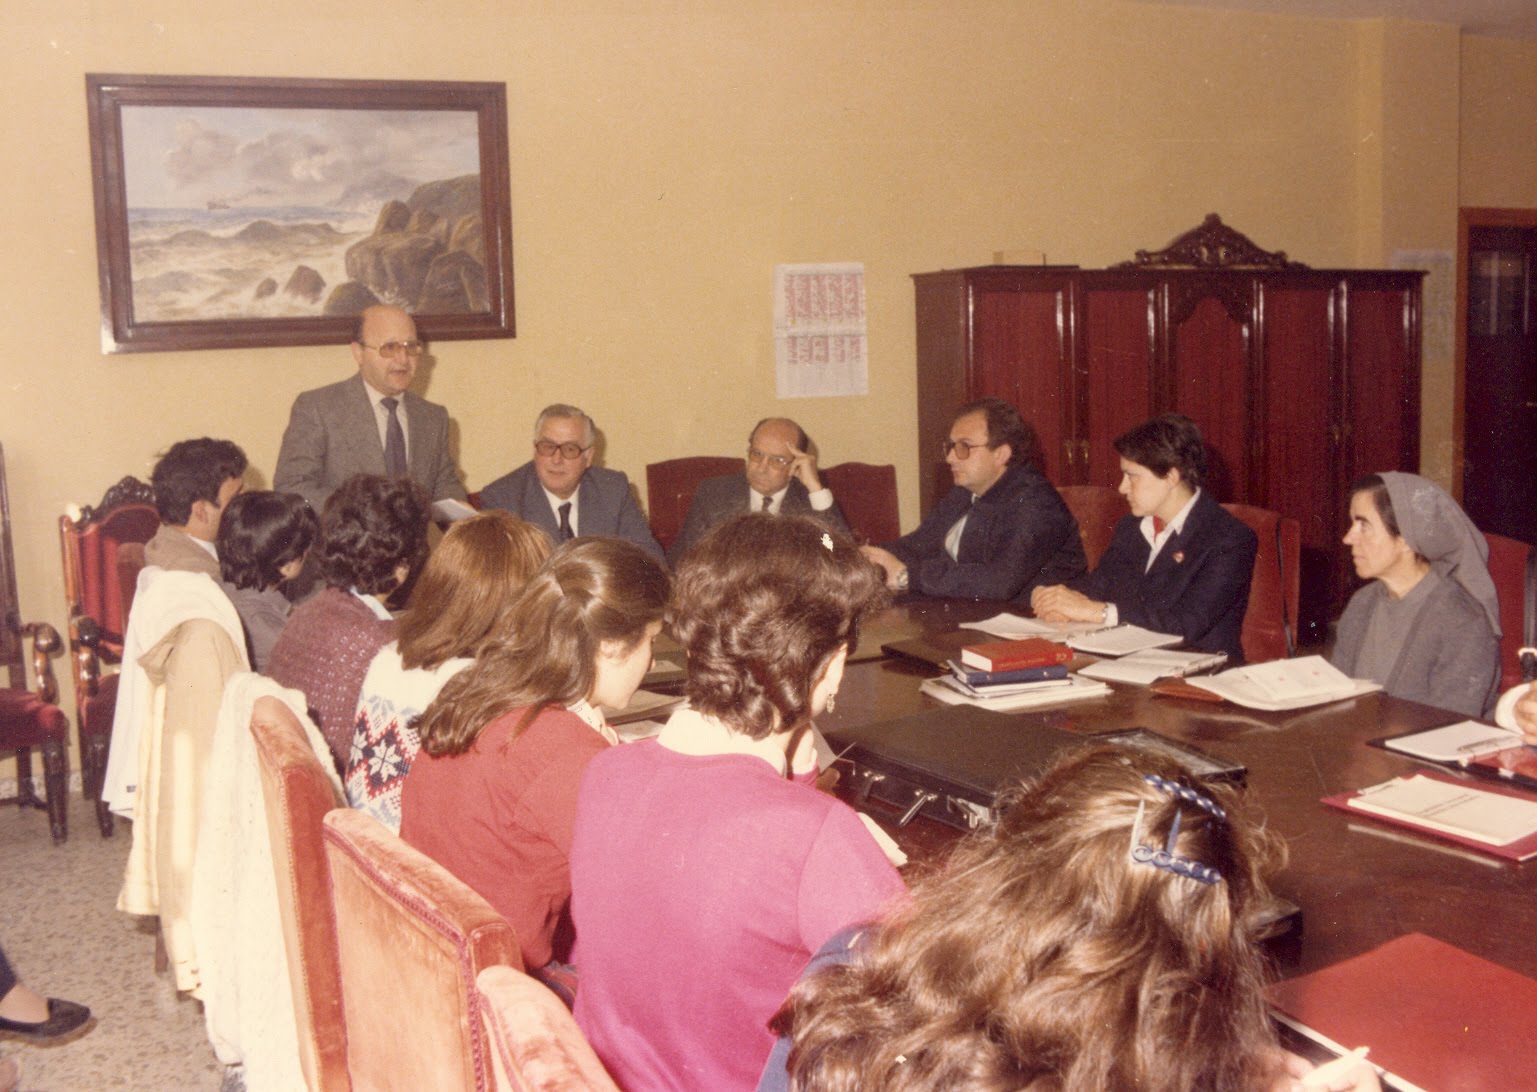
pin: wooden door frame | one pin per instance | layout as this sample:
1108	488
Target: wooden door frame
1468	218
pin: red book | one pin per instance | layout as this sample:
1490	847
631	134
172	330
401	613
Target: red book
1433	1015
1014	655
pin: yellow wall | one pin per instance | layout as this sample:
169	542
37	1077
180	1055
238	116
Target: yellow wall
1499	123
665	156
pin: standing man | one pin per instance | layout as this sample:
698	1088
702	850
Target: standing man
193	482
780	477
1001	531
560	490
371	423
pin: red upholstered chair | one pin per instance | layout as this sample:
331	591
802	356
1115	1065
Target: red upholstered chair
1097	508
298	795
868	496
30	720
411	940
670	486
103	551
1269	624
535	1043
1513	565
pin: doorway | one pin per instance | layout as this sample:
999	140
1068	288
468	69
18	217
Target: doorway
1498	338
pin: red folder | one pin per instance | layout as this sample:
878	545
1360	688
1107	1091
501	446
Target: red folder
1519	850
1433	1015
1013	655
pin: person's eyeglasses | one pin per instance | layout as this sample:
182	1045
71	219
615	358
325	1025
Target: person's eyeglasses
570	450
778	462
392	350
962	448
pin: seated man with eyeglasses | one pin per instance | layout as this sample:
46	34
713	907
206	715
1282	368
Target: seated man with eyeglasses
562	493
1001	531
370	423
780	477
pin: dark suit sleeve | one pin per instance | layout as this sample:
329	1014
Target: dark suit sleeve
443	479
301	465
702	515
632	524
833	517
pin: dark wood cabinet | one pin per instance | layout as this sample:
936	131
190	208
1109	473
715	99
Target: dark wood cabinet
1300	379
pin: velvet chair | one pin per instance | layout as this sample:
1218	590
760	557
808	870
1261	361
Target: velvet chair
670	487
535	1043
410	939
1513	566
1097	508
102	549
30	721
298	795
868	496
1269	624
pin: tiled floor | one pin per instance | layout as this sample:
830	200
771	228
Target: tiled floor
59	928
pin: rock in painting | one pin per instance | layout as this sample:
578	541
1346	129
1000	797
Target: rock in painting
348	298
305	283
266	288
456	283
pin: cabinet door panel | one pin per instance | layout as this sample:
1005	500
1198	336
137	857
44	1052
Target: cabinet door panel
1382	366
1209	359
1117	337
1019	354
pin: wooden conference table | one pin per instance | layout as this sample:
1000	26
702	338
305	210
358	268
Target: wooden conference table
1359	883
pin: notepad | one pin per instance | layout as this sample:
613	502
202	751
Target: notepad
1142	668
1467	739
1122	641
1494	819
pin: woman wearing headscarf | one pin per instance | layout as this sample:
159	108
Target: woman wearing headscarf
1427	626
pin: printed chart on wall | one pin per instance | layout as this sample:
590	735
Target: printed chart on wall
819	330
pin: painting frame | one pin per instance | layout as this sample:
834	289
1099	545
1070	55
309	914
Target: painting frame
123	331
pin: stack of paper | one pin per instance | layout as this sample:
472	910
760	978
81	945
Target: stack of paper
1012	626
1122	641
949	690
1142	668
1285	684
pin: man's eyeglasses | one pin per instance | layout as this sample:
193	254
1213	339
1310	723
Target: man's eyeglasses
778	462
393	350
962	448
570	450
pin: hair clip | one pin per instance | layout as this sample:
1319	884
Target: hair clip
827	541
1166	858
1185	792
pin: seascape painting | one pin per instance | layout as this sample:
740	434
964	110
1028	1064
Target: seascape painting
260	213
249	211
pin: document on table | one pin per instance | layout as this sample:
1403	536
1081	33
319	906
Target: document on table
1279	685
1013	626
1122	641
1143	668
1467	739
1494	819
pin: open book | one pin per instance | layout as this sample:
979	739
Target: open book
1285	684
1122	640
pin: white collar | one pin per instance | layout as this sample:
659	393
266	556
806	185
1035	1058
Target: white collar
373	604
690	732
1175	524
593	718
777	498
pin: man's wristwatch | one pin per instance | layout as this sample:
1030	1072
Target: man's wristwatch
904	579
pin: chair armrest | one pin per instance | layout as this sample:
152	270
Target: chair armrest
45	645
84	641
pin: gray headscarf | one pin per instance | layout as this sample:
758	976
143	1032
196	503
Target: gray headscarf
1437	529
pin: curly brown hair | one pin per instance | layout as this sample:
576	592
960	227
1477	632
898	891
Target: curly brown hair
1042	955
369	528
545	651
762	604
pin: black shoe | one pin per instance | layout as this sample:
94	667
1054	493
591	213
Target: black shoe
63	1018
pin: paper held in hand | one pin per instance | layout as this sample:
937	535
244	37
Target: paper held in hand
1285	684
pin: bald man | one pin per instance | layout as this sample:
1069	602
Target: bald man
370	423
780	476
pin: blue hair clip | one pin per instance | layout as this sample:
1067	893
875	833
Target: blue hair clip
1166	858
1186	793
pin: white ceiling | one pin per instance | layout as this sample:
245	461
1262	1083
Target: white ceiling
1495	18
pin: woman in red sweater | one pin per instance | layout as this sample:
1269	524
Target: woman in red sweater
492	795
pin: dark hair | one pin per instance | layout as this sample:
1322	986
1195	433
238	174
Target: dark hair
370	527
467	585
1373	485
192	471
802	441
762	603
1042	951
1006	426
260	533
545	652
1169	441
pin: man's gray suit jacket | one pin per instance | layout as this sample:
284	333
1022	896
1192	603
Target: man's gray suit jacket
333	434
718	499
605	505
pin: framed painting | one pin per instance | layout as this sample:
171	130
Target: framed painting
238	212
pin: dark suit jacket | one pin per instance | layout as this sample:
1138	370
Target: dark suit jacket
1019	535
1198	587
718	499
605	505
333	434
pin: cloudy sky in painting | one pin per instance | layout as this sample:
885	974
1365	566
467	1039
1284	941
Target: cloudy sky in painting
186	157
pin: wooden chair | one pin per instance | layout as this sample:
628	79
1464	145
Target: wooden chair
1513	566
670	486
1097	508
536	1045
411	939
30	719
102	550
1269	624
867	494
298	796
